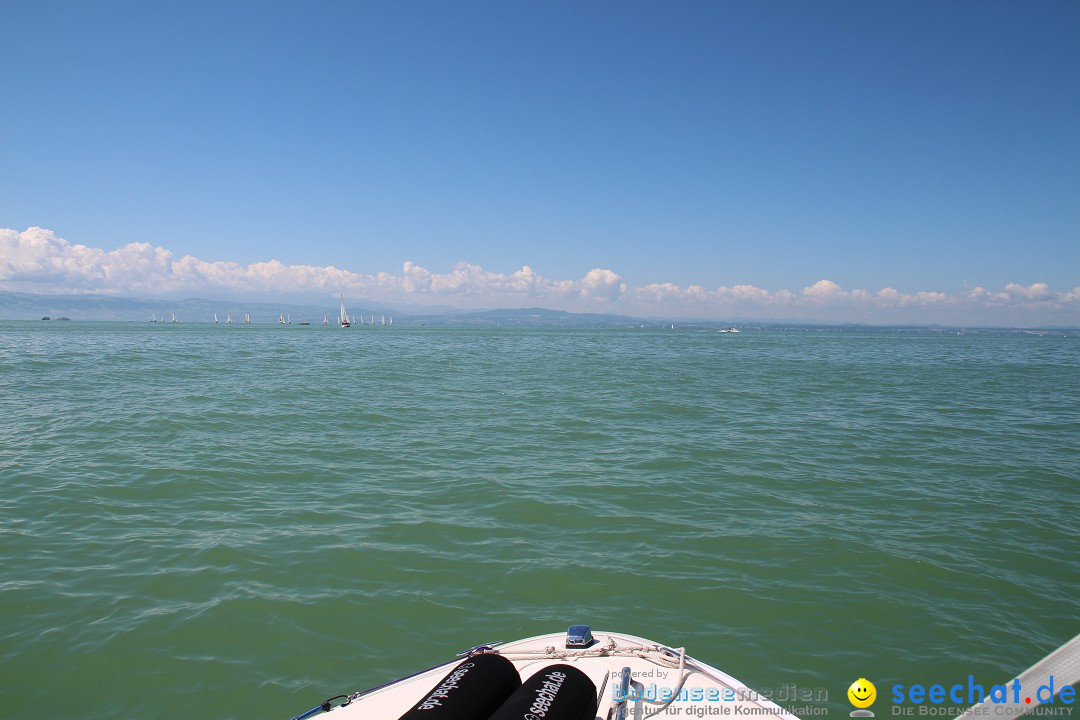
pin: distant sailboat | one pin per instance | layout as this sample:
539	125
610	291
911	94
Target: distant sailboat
391	319
228	319
325	321
281	319
153	318
343	314
247	318
288	319
173	318
383	319
215	319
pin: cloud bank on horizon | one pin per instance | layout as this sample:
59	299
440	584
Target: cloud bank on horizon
37	260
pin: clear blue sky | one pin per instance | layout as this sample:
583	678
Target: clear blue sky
917	145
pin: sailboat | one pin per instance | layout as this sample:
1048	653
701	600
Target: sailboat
153	318
173	318
228	319
391	319
215	319
383	319
343	314
247	318
325	321
281	319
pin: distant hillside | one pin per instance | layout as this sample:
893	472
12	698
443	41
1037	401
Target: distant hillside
26	306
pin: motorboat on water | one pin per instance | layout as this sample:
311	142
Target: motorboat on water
579	675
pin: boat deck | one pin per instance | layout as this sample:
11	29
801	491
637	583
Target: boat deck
663	682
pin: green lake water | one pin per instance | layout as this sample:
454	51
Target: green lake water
240	521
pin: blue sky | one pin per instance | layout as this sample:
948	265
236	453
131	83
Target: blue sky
918	146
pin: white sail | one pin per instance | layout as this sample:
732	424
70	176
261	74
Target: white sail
343	314
215	318
325	321
228	319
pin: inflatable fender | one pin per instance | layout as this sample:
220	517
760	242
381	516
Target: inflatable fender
473	690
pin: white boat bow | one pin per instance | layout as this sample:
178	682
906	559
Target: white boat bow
633	678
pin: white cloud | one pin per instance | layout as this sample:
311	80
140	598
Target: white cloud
824	290
1037	291
601	285
36	260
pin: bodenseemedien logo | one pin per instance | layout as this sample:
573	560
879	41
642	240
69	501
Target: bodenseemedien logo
862	695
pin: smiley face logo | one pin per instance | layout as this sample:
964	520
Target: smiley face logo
862	693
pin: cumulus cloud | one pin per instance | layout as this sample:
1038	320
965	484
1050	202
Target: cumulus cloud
1036	291
824	290
36	260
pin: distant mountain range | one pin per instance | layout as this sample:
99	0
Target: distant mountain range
28	306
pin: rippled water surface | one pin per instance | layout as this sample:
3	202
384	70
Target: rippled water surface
230	521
